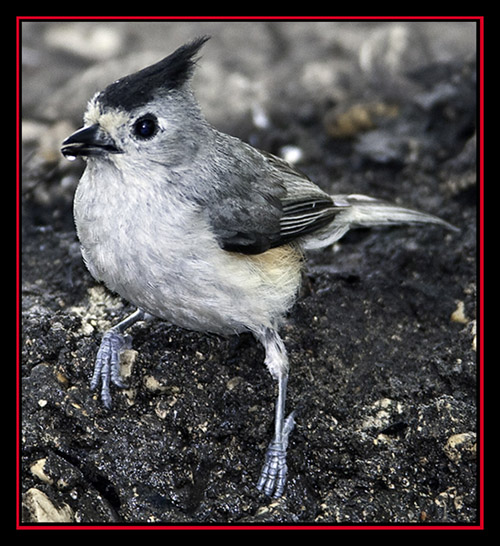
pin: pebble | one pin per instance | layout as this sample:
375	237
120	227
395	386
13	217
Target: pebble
459	315
41	509
460	445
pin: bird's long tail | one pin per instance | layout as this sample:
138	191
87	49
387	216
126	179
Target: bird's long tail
357	211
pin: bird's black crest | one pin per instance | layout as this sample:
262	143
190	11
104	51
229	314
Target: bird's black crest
169	73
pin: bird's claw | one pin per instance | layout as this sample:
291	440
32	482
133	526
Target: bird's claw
273	475
107	364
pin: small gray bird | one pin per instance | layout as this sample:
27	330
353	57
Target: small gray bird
199	228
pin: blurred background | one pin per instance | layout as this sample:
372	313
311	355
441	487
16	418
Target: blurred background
250	70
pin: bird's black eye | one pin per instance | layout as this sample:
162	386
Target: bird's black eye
145	127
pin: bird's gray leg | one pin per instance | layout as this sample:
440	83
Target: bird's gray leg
273	476
107	363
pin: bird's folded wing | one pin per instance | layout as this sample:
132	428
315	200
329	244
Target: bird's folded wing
278	207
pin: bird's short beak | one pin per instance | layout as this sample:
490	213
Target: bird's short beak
89	141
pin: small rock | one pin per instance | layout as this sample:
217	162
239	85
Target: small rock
37	469
458	315
461	445
154	385
127	362
233	382
40	508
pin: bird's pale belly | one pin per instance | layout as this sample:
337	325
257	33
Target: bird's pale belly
220	292
189	282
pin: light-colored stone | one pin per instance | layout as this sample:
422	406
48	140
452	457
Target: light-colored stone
42	510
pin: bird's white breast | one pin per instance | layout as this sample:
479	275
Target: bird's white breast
157	251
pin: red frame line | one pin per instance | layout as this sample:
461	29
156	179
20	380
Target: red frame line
480	131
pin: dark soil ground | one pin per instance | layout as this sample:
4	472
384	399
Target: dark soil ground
381	342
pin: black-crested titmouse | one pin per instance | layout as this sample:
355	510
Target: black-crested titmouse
197	227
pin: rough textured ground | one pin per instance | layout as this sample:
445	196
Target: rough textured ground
382	341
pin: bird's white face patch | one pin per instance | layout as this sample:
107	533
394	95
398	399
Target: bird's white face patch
109	121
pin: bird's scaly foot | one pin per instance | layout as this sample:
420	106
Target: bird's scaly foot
107	364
